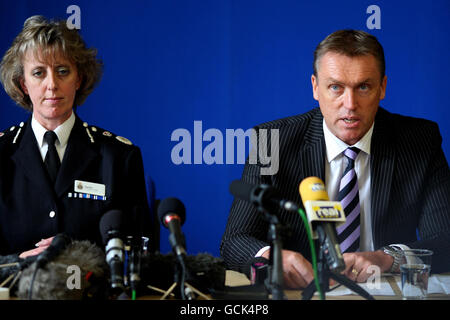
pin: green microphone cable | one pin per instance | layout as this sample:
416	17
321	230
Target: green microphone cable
313	252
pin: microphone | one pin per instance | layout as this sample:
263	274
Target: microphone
204	271
267	200
79	272
16	265
110	229
135	267
256	269
322	215
58	244
172	214
134	257
263	196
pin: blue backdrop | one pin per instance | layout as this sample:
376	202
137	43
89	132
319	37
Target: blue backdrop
231	64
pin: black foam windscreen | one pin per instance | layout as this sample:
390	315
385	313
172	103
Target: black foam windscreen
110	221
262	196
16	264
204	271
171	205
58	244
241	190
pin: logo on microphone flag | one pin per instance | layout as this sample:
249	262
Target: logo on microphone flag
324	211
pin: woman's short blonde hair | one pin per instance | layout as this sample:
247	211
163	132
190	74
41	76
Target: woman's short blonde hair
46	39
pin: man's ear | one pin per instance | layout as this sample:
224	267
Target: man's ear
315	86
383	88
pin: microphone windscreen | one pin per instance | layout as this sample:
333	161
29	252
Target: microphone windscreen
241	190
59	243
110	221
61	240
5	272
171	205
313	189
79	272
204	271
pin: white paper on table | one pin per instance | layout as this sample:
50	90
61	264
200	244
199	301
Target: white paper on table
436	284
382	288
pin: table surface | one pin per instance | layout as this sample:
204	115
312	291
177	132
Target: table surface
234	278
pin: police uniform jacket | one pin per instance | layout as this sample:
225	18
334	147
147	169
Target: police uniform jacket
32	208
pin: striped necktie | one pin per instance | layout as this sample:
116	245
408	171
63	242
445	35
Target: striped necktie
349	232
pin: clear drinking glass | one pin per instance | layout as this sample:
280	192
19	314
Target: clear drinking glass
415	271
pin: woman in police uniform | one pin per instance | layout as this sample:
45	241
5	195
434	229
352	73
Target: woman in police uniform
57	173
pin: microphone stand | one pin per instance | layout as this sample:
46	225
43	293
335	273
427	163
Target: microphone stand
274	281
324	275
180	276
261	198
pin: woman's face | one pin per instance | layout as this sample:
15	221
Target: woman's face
51	82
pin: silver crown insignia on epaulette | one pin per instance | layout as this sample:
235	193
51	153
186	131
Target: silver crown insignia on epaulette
88	132
124	140
18	131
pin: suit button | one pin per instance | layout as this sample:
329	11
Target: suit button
52	214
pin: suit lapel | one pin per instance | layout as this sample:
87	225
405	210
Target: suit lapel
312	154
29	160
383	154
78	156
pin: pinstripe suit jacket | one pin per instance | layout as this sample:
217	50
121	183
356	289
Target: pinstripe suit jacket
410	187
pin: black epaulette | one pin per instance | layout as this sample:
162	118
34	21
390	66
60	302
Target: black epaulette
95	132
13	134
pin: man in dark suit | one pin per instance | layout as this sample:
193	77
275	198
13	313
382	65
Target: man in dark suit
57	173
401	179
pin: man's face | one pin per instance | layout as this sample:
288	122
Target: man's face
349	90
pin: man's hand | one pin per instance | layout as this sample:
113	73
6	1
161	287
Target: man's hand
357	263
297	271
41	246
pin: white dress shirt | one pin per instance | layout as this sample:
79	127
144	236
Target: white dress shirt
335	165
62	132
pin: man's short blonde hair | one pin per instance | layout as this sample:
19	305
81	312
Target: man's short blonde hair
351	43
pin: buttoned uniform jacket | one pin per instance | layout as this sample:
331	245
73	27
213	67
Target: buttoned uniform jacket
31	208
410	188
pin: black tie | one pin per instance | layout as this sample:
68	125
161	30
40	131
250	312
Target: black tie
51	161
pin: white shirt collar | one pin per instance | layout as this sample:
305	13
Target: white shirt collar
335	146
62	131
